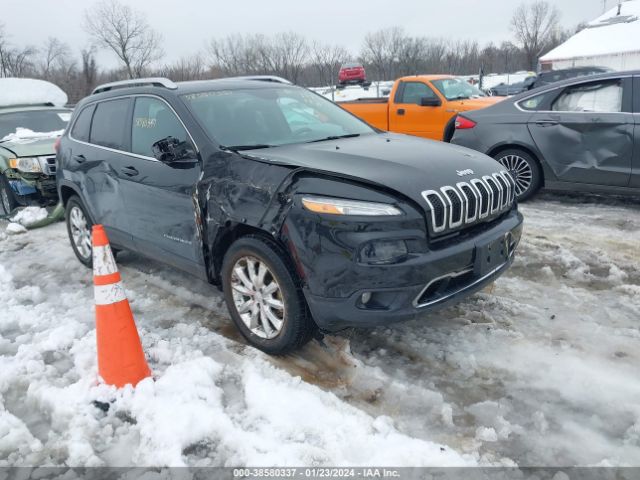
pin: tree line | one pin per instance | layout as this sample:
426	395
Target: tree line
386	54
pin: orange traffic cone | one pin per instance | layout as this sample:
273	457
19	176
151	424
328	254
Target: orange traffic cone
120	356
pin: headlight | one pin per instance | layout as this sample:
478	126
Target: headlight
26	164
339	206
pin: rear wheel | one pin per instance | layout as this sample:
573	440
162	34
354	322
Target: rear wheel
7	198
263	296
79	229
524	169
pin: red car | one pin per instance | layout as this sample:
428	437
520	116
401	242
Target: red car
352	73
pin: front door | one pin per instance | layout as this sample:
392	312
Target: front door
635	167
101	160
160	200
587	136
407	115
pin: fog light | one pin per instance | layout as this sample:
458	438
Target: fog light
365	298
383	251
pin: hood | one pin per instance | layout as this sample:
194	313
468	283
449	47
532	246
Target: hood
30	147
408	165
474	103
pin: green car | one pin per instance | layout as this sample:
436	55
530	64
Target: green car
27	154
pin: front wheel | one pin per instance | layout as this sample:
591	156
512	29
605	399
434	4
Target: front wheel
79	229
7	198
263	296
525	171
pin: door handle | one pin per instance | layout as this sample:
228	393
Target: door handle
79	158
546	123
400	111
129	171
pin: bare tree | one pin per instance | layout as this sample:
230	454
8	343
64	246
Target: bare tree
89	69
382	50
288	55
126	32
326	61
533	25
55	56
15	62
185	68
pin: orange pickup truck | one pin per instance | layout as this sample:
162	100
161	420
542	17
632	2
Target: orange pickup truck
421	105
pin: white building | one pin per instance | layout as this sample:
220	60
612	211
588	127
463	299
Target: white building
612	40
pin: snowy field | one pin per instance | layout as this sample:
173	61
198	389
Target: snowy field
542	369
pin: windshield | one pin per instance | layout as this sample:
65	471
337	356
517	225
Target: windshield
266	117
24	124
457	89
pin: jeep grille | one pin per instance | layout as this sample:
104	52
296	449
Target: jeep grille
467	202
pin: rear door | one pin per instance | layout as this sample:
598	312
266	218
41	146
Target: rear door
160	196
100	161
587	135
406	115
635	166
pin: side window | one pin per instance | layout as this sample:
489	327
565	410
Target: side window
532	103
414	91
591	97
82	126
109	124
153	120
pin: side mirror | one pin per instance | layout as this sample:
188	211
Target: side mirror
170	149
430	102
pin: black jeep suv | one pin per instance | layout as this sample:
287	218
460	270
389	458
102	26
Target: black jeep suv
303	214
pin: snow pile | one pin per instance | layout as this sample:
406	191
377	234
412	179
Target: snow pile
15	229
29	91
30	215
25	134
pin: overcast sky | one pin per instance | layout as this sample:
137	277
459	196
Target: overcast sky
186	24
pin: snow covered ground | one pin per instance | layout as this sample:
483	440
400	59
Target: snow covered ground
540	370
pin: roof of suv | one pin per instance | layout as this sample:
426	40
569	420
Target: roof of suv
156	85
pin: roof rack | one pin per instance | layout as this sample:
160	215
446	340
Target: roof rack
262	78
136	82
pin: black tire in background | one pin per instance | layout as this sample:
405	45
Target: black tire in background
7	199
524	169
296	327
73	209
449	130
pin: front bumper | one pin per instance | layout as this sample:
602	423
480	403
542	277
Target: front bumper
435	280
32	188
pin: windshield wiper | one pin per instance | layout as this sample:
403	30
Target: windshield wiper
237	148
335	137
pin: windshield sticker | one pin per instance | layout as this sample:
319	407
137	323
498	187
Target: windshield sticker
65	116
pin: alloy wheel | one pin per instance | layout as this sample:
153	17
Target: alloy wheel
257	297
520	171
80	232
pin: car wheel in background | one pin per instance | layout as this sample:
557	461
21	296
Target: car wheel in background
524	169
79	229
263	296
7	198
449	130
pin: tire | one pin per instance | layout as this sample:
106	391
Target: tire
524	169
7	198
74	212
449	130
282	330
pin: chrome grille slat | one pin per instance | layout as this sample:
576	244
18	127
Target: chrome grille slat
451	207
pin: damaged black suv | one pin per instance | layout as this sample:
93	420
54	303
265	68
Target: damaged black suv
304	215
